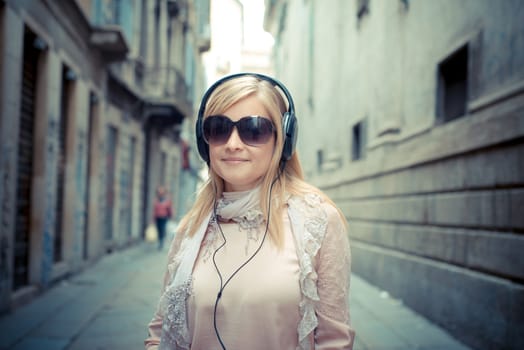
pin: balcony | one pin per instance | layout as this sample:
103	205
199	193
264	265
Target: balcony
167	94
204	39
110	41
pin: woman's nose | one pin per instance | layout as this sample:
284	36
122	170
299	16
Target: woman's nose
234	140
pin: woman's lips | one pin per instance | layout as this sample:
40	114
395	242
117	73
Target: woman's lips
234	160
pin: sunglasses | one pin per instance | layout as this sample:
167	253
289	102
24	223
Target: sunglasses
253	130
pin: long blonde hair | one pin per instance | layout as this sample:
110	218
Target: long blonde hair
289	182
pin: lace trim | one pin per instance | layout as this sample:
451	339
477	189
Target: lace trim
209	241
175	334
249	221
251	225
315	225
309	235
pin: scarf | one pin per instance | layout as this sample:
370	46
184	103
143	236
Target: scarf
308	224
242	208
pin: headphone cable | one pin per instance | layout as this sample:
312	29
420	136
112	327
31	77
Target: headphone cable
223	286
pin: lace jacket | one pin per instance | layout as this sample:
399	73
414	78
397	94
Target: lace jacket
324	258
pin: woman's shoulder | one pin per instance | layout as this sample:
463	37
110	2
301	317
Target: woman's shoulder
312	199
316	205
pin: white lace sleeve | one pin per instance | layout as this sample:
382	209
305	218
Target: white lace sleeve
155	326
333	267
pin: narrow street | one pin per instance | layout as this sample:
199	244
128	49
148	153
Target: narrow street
105	307
410	119
109	305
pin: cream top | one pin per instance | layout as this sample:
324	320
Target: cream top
296	298
259	305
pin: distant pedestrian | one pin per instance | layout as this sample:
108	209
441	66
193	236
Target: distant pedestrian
262	260
162	212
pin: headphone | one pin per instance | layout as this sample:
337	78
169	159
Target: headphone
289	121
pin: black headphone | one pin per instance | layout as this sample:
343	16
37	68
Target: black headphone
289	121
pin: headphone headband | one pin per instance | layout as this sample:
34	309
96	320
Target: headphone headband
289	122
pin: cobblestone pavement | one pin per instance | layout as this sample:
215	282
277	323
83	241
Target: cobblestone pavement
108	305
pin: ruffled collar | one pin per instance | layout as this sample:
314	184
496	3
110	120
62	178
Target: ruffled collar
241	207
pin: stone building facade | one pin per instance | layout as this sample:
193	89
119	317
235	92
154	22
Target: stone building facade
94	98
411	117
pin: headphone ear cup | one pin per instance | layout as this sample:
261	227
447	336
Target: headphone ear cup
203	148
289	121
289	131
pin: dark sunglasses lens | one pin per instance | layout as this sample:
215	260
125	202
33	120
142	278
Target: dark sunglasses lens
255	130
217	129
252	130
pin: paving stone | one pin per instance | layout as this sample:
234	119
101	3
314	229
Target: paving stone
109	305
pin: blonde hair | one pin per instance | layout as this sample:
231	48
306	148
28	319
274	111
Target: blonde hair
289	182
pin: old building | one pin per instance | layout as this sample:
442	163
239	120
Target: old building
411	117
95	96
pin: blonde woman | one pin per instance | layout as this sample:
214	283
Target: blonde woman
262	260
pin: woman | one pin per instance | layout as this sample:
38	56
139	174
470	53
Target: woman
262	260
162	212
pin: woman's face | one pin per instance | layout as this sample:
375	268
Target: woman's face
242	166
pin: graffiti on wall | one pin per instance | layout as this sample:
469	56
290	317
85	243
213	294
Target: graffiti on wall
102	176
6	173
81	195
125	183
50	202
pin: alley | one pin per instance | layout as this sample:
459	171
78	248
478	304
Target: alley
109	305
410	119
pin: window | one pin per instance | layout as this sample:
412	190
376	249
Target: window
320	160
114	12
362	8
452	90
163	168
358	141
